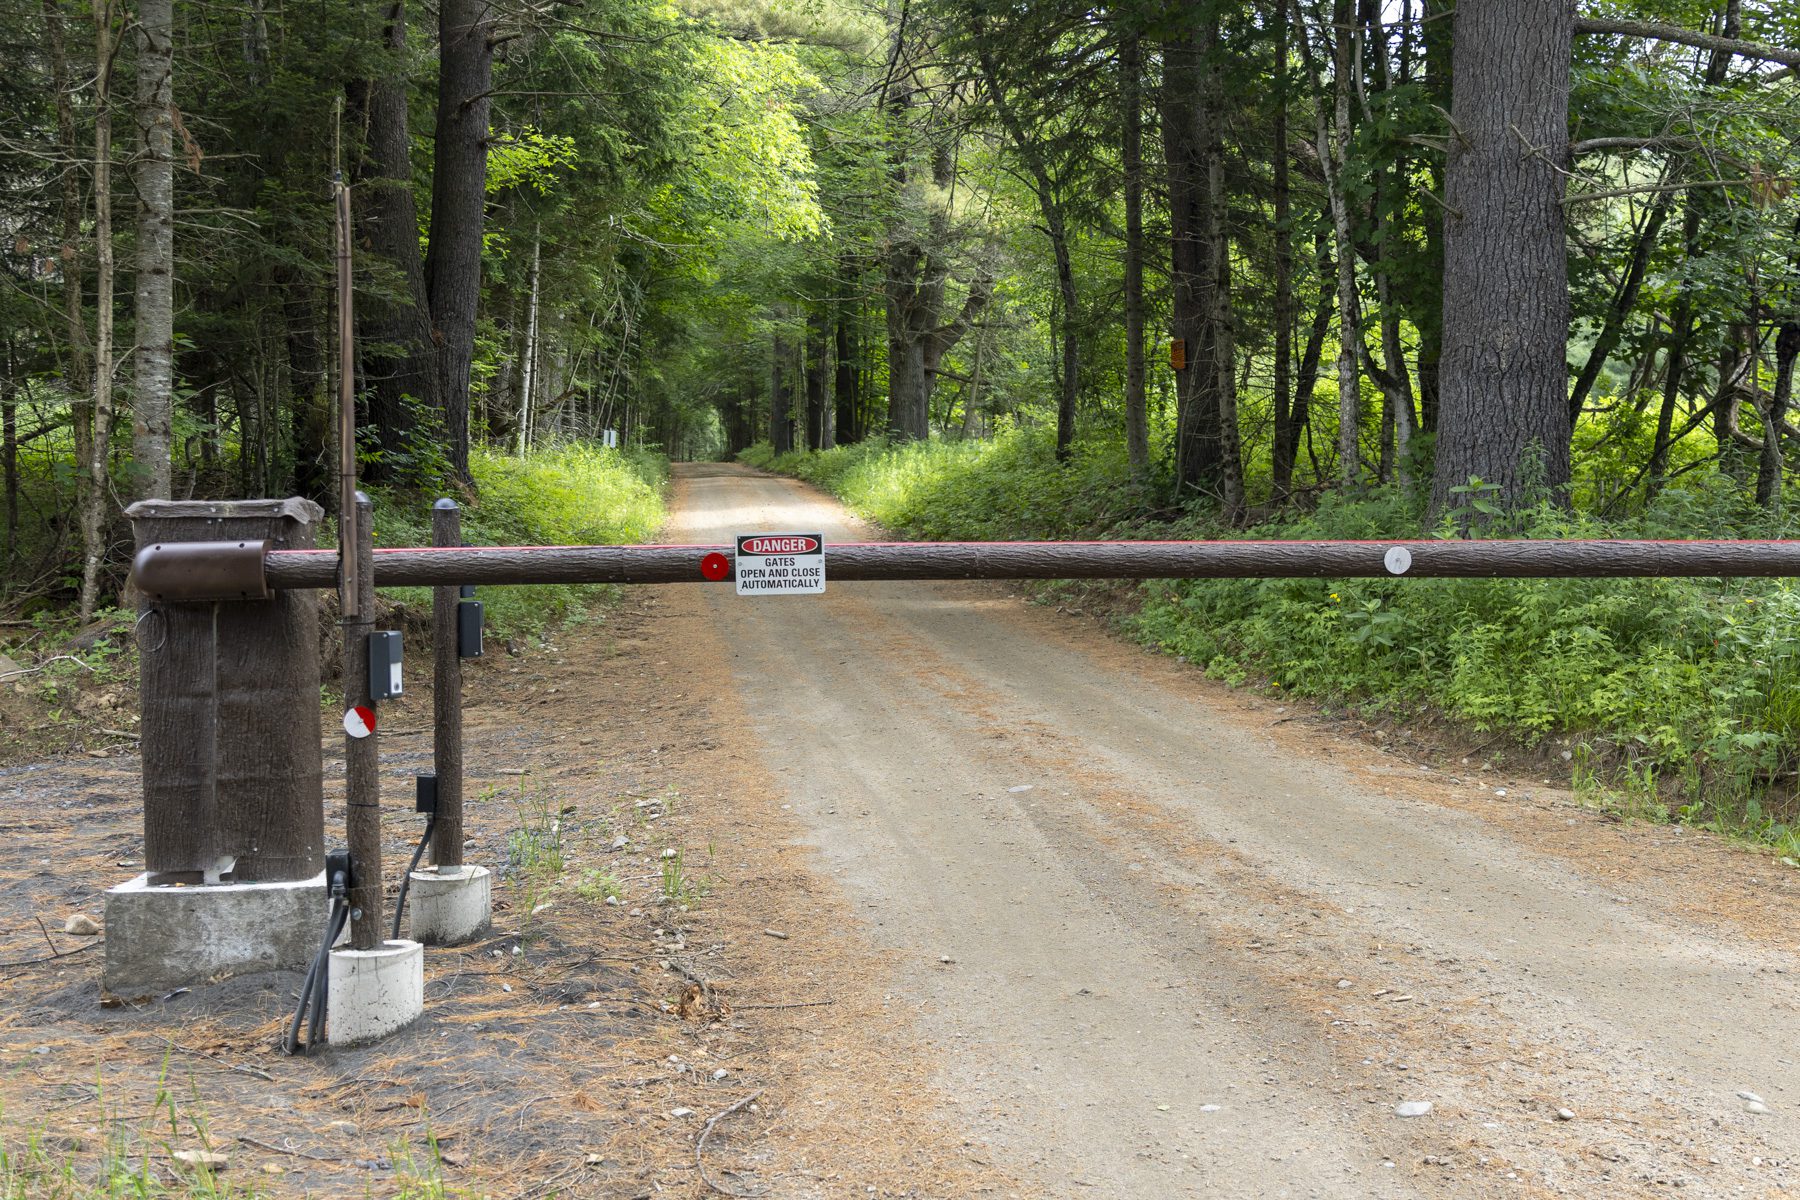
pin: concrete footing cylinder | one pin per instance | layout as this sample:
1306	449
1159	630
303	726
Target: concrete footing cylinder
450	905
372	993
161	937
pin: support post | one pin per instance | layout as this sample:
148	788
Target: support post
362	757
446	698
452	902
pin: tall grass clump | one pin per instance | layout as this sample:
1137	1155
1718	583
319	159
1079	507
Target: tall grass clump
1010	487
569	494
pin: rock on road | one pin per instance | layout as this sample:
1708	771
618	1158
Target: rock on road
1164	943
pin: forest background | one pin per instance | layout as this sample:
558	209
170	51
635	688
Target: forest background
1324	268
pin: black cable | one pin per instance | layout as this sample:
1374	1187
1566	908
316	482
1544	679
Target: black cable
406	879
312	990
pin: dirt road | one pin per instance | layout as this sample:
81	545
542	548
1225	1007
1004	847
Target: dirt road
1164	940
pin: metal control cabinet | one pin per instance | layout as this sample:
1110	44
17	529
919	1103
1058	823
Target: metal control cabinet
385	682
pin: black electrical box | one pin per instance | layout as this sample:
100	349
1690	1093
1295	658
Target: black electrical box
425	794
468	628
337	862
384	665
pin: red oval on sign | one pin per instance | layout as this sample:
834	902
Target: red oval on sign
715	566
778	545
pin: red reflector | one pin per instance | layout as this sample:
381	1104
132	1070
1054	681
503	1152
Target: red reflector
715	566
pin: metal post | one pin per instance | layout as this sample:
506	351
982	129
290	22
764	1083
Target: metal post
362	756
446	698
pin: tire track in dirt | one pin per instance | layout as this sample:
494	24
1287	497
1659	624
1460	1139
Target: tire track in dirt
1159	924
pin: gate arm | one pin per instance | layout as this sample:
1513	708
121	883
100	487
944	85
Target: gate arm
847	561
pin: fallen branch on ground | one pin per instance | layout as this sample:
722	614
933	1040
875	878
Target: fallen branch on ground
26	962
706	1132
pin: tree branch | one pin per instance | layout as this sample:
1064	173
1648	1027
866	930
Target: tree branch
1659	32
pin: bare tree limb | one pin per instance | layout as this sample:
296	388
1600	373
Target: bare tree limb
1658	31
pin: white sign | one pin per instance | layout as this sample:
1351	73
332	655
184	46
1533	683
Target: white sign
780	564
610	439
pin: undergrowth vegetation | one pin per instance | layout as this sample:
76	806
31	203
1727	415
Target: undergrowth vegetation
571	494
1673	698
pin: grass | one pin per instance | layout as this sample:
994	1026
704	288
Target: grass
678	887
573	494
134	1159
1681	697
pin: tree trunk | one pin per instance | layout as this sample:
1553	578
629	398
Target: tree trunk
781	394
153	400
528	369
458	207
1398	419
314	460
1505	383
97	494
399	359
1219	312
819	412
1188	135
1336	153
843	389
1428	316
1137	421
9	448
1770	471
76	375
1281	461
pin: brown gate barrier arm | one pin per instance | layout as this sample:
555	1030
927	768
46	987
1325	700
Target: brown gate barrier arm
195	576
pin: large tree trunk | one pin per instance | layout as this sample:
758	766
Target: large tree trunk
1505	415
1188	135
458	212
1137	421
154	176
96	495
399	359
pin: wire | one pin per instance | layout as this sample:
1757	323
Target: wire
313	989
406	879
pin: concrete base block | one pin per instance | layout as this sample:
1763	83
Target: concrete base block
372	993
450	905
159	938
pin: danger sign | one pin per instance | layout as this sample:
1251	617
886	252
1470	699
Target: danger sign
780	564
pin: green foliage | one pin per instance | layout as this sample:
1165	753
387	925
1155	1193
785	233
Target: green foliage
1009	487
573	494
